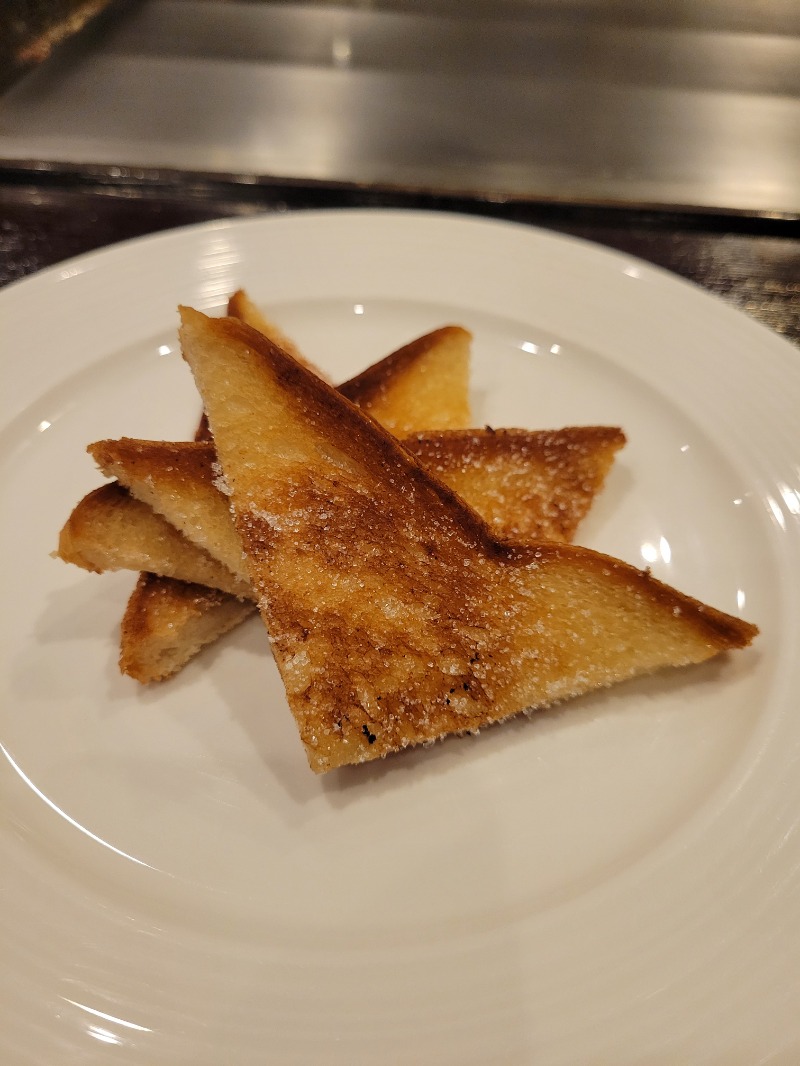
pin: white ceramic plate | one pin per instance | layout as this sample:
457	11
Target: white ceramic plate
615	883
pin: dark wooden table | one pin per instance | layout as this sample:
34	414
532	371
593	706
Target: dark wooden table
49	213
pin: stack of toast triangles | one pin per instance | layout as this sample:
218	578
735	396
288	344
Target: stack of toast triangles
413	575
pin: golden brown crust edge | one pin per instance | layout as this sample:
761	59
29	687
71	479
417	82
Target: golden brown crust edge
718	629
448	445
142	457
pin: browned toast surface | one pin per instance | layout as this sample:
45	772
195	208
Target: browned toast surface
427	367
528	485
178	480
423	385
396	616
242	307
167	622
111	530
533	485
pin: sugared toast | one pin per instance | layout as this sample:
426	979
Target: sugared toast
534	485
112	530
433	367
164	617
178	480
423	385
527	484
242	307
166	623
396	616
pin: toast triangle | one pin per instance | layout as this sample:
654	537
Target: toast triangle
166	623
422	385
525	484
425	366
396	617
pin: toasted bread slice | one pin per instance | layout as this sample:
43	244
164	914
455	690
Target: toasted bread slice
111	530
535	485
525	484
404	388
168	622
180	481
396	617
427	366
423	385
